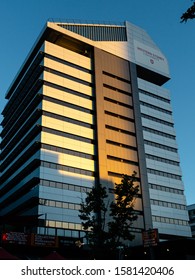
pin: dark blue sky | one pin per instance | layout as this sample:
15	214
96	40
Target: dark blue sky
21	22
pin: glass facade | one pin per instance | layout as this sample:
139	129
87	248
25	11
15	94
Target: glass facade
83	111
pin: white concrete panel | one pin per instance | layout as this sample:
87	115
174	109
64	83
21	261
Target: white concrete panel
158	126
65	82
155	89
167	196
67	97
165	181
165	167
154	101
172	229
68	143
65	111
67	127
67	70
61	195
156	114
67	55
161	153
66	177
66	159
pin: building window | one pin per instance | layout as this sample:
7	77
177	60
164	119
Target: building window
164	174
71	91
67	135
64	186
63	75
168	204
68	120
160	146
119	116
169	220
59	204
122	160
144	116
155	108
67	168
118	102
67	151
116	77
116	89
69	105
165	160
154	96
165	189
119	130
157	132
65	62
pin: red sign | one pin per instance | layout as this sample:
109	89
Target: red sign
15	238
150	237
30	239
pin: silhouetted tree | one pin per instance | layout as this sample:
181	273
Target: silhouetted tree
122	210
189	14
101	233
92	213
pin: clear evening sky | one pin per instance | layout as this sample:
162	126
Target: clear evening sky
22	20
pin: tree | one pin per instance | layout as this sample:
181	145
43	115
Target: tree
122	210
189	14
100	232
92	213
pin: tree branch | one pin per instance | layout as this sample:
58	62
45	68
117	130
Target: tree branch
189	14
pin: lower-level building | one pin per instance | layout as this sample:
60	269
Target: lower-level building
191	212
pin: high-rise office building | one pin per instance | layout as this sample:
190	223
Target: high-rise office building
87	106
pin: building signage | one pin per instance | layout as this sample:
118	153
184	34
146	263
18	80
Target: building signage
150	57
32	239
150	237
15	238
44	240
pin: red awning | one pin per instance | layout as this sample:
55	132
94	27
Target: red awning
54	256
5	255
